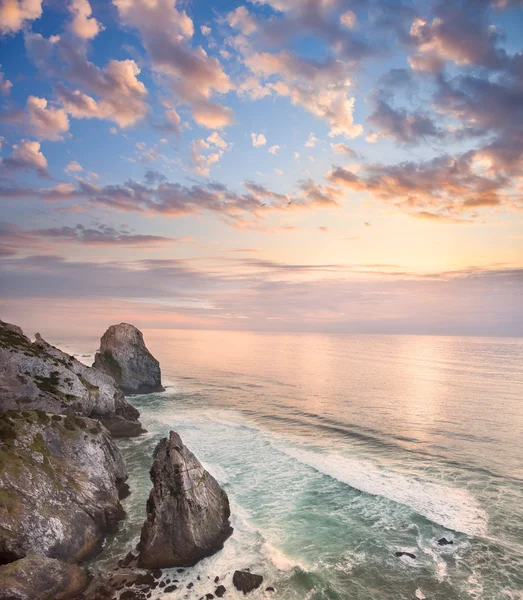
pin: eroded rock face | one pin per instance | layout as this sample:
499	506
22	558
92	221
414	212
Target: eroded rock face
41	578
60	482
187	511
38	376
124	356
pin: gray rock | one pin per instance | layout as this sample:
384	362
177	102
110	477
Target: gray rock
246	582
60	478
41	578
187	511
124	356
38	376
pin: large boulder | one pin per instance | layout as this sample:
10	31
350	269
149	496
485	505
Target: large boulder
40	578
124	356
187	511
61	479
246	582
38	376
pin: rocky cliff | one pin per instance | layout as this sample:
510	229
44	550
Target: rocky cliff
124	356
187	511
36	375
60	482
40	578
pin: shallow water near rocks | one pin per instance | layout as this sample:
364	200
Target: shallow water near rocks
337	451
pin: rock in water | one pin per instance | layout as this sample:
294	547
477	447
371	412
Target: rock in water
41	578
124	356
60	482
38	376
187	511
246	582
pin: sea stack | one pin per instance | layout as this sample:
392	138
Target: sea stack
124	356
187	510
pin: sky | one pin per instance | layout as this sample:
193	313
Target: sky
274	165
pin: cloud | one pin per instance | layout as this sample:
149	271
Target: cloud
400	125
344	149
348	19
73	167
321	88
5	85
26	156
274	149
258	139
446	186
206	153
311	141
241	19
192	75
205	30
459	32
242	292
14	14
83	24
101	235
17	240
217	140
121	95
46	123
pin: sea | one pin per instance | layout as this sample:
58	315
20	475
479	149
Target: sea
339	451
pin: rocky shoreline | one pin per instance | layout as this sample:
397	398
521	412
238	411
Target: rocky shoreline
62	477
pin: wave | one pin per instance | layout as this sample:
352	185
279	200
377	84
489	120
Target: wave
451	507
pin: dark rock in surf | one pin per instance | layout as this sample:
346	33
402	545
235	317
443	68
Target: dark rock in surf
270	589
409	554
41	578
220	591
187	510
444	542
124	356
246	582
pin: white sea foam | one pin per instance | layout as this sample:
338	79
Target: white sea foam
451	507
279	559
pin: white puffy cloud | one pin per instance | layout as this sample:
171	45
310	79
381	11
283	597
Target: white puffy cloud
83	24
5	85
321	88
258	139
122	95
192	75
46	122
274	149
15	13
73	167
241	19
311	141
26	156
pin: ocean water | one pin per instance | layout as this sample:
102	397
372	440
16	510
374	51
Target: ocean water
336	452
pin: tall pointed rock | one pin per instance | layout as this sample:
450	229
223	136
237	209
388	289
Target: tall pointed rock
187	510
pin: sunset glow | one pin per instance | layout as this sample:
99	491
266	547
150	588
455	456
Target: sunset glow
278	165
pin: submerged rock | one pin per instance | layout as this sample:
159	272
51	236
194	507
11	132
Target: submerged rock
38	376
445	542
187	511
246	582
124	356
41	578
399	554
60	478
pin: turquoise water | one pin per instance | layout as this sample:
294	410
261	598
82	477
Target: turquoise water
337	451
